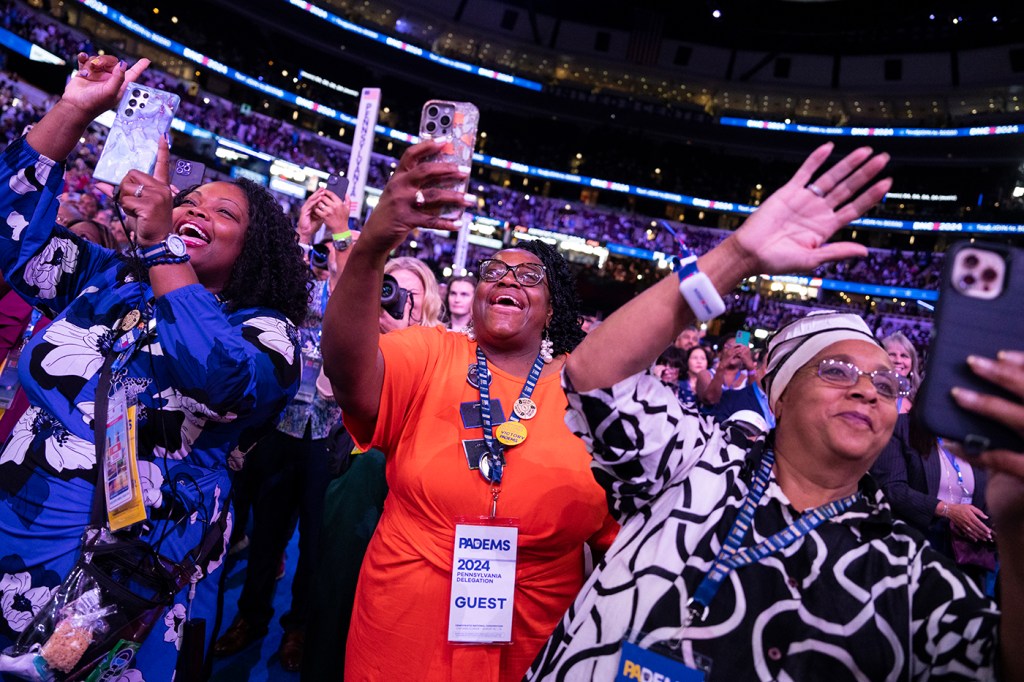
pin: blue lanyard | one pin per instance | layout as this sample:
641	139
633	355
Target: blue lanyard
494	449
33	321
956	467
731	556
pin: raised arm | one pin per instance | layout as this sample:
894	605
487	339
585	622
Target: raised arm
786	234
352	360
96	87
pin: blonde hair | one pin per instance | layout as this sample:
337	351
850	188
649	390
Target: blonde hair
431	293
914	377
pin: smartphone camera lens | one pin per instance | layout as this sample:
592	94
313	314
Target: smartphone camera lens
432	112
145	95
132	102
136	93
430	126
446	120
971	261
967	281
988	275
128	112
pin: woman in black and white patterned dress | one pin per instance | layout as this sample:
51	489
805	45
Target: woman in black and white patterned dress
852	594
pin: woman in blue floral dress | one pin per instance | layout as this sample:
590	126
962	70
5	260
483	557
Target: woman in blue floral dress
212	380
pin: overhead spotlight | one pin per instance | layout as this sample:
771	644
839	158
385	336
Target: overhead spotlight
717	14
995	19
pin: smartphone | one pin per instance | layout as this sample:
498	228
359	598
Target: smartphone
455	122
978	313
337	184
143	118
186	174
743	338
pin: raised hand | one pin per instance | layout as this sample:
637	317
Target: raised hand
147	201
332	210
788	232
309	222
407	202
97	86
99	83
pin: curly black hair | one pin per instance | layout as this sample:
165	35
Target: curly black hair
270	271
566	327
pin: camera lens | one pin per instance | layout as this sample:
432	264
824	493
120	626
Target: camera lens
971	261
145	95
988	275
967	281
142	106
432	111
430	126
446	120
136	93
132	102
128	112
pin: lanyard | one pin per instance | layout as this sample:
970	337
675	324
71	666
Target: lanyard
731	556
136	328
493	471
956	468
33	321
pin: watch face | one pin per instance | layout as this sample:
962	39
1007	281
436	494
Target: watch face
176	245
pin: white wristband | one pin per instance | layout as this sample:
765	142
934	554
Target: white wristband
701	296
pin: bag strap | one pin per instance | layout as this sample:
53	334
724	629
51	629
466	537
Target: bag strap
101	407
214	534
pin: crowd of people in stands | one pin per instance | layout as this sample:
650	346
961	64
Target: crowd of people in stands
245	338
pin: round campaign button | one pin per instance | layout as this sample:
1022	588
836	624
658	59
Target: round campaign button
525	408
471	376
510	433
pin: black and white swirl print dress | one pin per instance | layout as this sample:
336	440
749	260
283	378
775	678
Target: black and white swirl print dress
861	597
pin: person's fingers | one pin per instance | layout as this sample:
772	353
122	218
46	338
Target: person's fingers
1005	411
867	199
844	167
105	188
416	153
811	164
1004	461
132	74
839	251
852	184
162	169
1012	357
1007	374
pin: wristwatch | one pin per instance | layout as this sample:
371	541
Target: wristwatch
342	240
171	251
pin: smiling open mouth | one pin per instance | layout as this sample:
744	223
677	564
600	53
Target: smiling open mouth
506	300
193	235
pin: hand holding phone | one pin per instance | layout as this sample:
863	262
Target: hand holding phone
978	316
456	124
143	118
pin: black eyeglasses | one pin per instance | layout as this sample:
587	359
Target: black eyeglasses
527	274
887	382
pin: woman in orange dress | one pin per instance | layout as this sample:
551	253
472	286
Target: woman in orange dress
419	395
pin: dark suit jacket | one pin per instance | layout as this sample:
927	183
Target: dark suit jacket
911	482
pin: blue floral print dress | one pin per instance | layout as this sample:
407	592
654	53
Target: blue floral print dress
210	384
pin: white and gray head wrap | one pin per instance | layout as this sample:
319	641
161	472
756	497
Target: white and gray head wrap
798	342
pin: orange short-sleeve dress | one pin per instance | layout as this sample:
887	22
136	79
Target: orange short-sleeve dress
399	628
